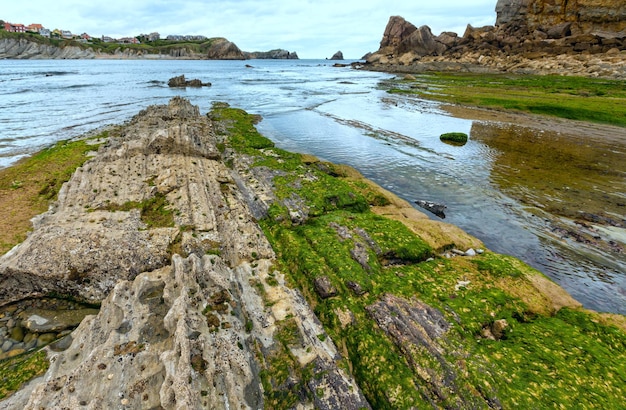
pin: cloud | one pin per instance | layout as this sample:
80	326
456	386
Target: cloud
315	29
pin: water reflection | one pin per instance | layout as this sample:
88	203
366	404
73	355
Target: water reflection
571	187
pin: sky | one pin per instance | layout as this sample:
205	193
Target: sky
312	28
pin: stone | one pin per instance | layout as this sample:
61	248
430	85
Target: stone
324	287
435	208
17	334
181	81
470	252
45	338
356	288
6	346
498	328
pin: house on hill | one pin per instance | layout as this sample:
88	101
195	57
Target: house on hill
14	28
35	28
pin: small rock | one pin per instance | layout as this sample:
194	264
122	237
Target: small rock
355	287
15	352
324	287
470	252
6	346
462	284
498	327
435	208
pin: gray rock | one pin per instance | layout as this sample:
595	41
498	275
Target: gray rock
324	287
6	346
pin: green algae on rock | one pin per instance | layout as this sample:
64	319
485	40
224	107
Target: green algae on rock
539	329
454	138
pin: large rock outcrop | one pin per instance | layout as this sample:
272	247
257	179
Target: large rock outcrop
278	54
526	30
191	331
222	49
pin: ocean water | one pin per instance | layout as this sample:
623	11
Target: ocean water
339	114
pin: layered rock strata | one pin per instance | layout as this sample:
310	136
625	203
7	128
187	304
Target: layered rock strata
192	331
544	37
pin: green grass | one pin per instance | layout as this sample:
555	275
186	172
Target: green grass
576	98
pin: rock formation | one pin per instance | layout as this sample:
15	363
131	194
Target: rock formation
181	81
278	54
337	56
24	49
222	49
525	30
173	332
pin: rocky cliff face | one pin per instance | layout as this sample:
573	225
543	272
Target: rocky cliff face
24	49
222	49
278	54
525	29
583	16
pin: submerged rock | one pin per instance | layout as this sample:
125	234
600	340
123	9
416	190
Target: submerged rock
180	81
435	208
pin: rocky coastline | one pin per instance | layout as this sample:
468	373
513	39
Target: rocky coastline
24	48
230	273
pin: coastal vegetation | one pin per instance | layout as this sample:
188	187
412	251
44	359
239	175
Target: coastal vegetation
512	338
28	187
577	98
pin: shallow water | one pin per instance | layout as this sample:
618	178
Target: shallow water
515	187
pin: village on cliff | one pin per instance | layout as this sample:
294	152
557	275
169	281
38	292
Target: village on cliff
60	34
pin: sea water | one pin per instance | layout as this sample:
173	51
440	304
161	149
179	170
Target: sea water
336	113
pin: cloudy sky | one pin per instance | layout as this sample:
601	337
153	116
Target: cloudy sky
312	28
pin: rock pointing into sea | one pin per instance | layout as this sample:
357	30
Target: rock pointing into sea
192	331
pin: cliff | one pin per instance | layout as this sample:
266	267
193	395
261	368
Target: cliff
15	46
578	37
582	16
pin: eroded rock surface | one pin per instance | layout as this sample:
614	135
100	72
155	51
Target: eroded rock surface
192	331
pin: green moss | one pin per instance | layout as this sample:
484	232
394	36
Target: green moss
540	360
27	187
579	98
456	138
16	371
